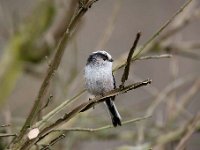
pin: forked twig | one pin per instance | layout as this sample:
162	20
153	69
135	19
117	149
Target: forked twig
47	103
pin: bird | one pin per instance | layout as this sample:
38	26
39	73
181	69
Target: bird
99	79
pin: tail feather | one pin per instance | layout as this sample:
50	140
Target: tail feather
115	116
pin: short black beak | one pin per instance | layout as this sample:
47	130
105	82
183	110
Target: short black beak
111	60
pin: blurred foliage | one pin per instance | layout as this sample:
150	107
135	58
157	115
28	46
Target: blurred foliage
29	39
25	45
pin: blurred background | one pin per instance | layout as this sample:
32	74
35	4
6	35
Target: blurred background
29	33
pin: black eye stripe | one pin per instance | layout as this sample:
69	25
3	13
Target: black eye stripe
103	56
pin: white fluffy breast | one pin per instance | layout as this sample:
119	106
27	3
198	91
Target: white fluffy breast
99	79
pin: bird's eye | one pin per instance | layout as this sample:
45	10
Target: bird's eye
104	59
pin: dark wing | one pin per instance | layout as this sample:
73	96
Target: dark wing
115	116
114	84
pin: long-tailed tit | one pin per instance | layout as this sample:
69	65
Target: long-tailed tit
99	79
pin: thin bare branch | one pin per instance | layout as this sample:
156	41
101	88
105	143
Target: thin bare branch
182	21
181	51
47	103
128	62
151	43
102	128
155	57
161	29
186	98
110	26
117	91
58	109
163	94
7	135
190	129
53	142
96	129
179	133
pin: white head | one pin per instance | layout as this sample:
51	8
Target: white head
100	58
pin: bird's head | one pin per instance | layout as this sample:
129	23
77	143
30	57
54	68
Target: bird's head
100	58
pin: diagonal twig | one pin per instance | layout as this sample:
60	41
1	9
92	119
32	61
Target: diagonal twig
47	103
190	129
53	142
128	62
180	132
151	43
161	29
58	109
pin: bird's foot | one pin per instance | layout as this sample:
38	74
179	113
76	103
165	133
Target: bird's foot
90	100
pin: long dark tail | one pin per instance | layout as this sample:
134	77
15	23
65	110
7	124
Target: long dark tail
115	116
